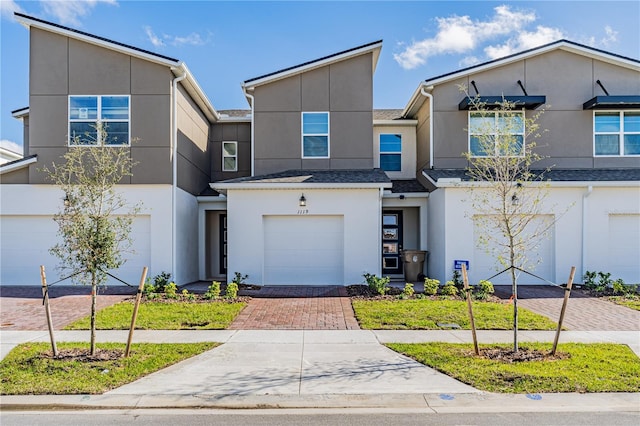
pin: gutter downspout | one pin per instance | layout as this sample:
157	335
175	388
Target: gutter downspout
584	227
431	141
253	167
174	178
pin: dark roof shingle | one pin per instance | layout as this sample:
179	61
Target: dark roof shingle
554	175
318	176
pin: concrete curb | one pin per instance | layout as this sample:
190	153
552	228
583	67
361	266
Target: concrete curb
436	403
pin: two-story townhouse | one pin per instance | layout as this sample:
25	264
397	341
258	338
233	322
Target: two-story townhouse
318	198
151	105
290	191
591	102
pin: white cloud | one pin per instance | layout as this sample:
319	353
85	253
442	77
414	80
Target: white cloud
7	7
611	36
153	38
68	12
193	39
10	145
524	40
460	34
468	61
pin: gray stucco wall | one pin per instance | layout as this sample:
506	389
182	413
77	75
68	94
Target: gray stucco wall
344	89
566	79
61	66
230	132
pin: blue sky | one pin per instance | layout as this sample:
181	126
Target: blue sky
225	43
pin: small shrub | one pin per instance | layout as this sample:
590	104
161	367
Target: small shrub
232	290
483	290
377	285
619	287
213	291
449	289
171	290
238	278
457	280
160	281
589	279
604	280
408	290
431	286
184	293
148	288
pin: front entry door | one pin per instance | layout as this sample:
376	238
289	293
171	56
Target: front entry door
391	242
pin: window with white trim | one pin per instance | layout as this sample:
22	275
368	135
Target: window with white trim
496	133
315	135
616	133
391	152
229	156
88	113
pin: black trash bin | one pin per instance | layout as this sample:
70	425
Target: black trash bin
413	264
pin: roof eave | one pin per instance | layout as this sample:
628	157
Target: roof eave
222	186
17	164
195	91
374	48
560	44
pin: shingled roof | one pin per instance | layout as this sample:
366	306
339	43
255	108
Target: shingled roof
317	176
553	175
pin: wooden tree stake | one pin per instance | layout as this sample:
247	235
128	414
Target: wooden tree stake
467	291
135	311
47	309
567	292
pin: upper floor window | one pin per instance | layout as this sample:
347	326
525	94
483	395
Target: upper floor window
315	135
229	156
496	133
616	133
88	113
391	152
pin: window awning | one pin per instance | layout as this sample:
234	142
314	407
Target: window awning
613	102
494	102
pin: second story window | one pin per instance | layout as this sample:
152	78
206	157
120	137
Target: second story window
616	133
229	156
498	133
315	135
391	152
87	113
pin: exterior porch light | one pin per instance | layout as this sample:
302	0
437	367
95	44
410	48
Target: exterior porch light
302	201
515	200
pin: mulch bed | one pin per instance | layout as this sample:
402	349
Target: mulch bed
523	355
363	292
84	355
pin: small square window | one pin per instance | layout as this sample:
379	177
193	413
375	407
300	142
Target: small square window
496	133
616	133
89	113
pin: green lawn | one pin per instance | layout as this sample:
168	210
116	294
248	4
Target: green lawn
423	314
633	303
25	371
165	316
589	368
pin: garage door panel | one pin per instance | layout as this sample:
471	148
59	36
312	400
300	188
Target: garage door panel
25	242
624	247
303	250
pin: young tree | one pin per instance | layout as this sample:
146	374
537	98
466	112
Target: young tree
508	197
95	221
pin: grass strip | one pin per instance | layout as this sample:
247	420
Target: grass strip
425	314
590	367
25	371
164	316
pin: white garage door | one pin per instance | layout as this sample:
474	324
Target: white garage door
25	242
624	247
484	265
303	250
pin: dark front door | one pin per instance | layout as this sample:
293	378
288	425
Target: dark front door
391	242
223	244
